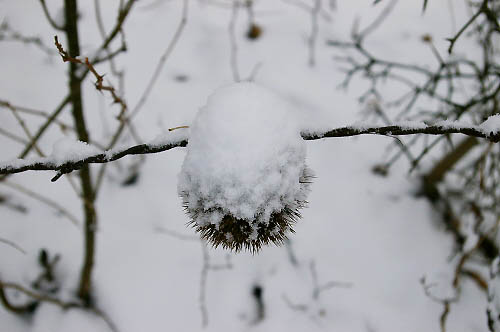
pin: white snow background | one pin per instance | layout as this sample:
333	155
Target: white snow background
369	233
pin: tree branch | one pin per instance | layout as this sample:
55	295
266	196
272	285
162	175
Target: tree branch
400	130
39	297
52	22
45	164
48	163
12	245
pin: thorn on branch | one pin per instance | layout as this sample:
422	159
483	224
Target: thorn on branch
99	78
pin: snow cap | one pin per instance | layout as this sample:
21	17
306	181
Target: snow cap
244	176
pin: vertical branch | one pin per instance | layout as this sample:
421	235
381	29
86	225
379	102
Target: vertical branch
203	285
26	130
232	41
314	32
84	288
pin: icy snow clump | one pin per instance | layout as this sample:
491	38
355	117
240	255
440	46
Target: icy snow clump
244	175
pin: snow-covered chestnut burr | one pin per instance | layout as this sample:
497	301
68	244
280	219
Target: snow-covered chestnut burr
244	177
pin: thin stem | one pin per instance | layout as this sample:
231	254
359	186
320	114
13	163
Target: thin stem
466	25
49	17
59	208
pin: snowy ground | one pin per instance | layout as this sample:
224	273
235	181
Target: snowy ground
368	233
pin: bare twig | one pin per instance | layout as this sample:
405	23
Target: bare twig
99	78
163	59
100	24
21	123
125	118
452	40
319	288
377	22
122	15
53	204
45	126
233	44
124	12
177	235
12	245
206	268
21	109
12	137
40	297
9	34
65	305
203	285
314	32
49	17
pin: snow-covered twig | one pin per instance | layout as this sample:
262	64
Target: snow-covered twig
406	129
48	163
44	164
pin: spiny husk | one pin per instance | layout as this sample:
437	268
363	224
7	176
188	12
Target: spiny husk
236	234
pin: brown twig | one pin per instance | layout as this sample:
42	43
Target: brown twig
122	15
99	83
179	127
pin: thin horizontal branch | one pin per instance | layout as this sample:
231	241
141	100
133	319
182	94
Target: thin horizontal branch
12	245
44	164
52	203
401	130
39	297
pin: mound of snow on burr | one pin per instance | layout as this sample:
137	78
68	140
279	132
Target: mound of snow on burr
245	156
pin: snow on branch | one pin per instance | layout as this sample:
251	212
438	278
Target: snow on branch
489	130
75	160
485	130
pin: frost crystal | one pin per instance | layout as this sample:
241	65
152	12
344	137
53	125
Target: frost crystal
244	176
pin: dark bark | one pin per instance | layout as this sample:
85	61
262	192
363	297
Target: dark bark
71	26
